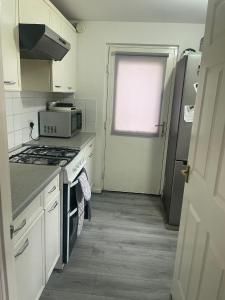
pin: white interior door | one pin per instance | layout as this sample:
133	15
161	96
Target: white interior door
139	94
200	261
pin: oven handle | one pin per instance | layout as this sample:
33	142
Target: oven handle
73	212
74	183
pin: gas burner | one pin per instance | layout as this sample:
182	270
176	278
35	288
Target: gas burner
44	155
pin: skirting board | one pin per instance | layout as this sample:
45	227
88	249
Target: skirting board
96	190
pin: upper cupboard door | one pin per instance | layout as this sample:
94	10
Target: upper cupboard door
55	22
33	11
10	46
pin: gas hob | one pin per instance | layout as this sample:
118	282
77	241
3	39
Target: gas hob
70	160
43	155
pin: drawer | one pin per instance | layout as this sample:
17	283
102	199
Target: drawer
51	190
89	149
26	218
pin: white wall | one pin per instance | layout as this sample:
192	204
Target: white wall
92	60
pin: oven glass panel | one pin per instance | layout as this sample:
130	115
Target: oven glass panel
73	231
73	198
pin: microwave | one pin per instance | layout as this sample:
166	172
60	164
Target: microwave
60	123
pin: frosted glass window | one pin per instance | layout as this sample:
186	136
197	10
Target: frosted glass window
139	84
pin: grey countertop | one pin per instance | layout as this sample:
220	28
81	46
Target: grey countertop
78	141
27	181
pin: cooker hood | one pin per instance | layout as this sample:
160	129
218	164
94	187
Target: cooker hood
38	41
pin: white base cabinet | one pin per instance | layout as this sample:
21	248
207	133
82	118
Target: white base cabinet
29	261
36	234
52	235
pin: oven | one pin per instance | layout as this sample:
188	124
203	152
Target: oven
70	218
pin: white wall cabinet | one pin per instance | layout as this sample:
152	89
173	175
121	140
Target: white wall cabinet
29	262
37	242
63	73
52	235
34	12
10	46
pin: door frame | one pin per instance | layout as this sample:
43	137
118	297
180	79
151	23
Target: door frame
146	50
7	262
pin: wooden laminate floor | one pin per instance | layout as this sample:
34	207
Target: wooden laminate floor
124	253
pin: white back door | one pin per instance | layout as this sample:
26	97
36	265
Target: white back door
200	261
139	94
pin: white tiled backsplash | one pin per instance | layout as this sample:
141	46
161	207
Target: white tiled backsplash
23	107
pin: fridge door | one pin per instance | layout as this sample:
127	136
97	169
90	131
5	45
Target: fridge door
189	96
174	124
177	193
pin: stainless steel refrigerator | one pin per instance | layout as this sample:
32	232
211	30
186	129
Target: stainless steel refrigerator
186	79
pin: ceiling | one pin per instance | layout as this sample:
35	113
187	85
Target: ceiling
176	11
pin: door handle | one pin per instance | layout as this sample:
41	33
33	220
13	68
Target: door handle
186	173
52	190
9	82
54	206
26	244
163	126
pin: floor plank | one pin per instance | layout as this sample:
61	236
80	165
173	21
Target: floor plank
124	253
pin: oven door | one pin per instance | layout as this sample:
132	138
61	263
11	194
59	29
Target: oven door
70	218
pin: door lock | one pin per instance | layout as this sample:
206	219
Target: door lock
186	173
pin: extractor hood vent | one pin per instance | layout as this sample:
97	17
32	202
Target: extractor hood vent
37	41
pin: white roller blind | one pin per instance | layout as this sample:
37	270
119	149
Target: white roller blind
138	90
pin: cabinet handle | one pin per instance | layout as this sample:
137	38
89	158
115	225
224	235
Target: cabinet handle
15	230
69	88
52	190
58	86
54	206
10	82
24	247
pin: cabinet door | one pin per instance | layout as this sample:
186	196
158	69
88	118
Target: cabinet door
90	167
29	262
33	11
10	46
64	72
73	62
52	234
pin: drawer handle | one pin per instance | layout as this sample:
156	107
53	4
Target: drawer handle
54	206
52	190
15	230
24	247
58	86
91	155
10	82
69	87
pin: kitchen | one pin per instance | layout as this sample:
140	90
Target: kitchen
71	128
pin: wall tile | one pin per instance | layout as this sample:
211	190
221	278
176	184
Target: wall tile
17	106
17	122
25	135
11	141
9	106
18	137
10	124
